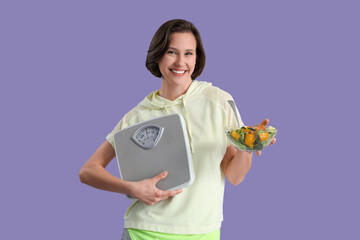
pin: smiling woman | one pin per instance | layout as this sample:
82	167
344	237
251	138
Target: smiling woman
176	55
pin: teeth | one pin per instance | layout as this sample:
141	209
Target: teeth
178	71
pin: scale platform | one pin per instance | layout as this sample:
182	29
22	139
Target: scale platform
161	144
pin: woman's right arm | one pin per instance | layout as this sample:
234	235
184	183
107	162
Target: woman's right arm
94	174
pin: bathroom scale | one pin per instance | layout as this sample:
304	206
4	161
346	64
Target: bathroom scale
148	148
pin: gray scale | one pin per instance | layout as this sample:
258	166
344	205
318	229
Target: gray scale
146	149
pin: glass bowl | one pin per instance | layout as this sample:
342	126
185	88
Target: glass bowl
250	138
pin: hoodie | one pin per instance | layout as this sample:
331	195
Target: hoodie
199	208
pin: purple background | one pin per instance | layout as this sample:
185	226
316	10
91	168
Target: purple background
70	69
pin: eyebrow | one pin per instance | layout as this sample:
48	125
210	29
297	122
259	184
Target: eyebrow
187	50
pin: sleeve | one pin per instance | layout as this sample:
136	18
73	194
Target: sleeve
231	117
120	125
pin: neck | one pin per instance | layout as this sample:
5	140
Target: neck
173	91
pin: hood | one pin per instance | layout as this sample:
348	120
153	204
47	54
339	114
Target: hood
155	102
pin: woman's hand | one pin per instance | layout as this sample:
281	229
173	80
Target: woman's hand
147	192
264	123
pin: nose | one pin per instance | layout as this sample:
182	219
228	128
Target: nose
180	61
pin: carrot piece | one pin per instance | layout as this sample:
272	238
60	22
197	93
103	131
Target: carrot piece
264	136
235	135
250	139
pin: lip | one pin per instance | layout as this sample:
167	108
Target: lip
177	69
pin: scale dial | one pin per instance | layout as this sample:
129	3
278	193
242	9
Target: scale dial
147	136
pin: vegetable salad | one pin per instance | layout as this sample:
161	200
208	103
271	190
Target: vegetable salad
251	138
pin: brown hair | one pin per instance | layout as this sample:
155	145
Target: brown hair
161	41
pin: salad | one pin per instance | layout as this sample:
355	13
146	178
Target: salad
251	138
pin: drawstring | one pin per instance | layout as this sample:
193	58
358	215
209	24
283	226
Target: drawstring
188	127
186	116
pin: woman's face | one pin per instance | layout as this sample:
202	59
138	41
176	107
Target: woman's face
178	63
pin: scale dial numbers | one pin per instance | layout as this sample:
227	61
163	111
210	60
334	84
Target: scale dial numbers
147	136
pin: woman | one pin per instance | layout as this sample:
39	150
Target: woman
176	55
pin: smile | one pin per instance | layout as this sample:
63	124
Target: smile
178	72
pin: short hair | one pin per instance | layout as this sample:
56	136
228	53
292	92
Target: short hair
161	41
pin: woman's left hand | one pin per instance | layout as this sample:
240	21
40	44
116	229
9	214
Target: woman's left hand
264	123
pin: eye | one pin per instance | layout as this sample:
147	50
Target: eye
189	53
170	52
